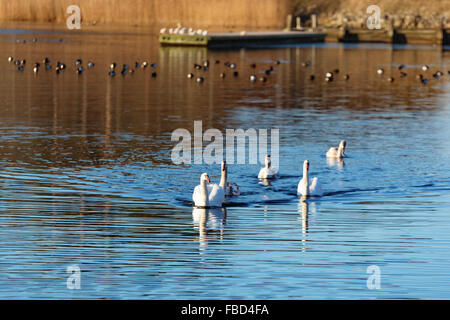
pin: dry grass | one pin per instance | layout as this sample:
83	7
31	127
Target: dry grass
195	13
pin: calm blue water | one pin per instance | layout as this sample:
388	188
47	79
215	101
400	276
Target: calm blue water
87	179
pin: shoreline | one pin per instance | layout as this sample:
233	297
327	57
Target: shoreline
431	36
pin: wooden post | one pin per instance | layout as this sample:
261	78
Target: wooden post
289	22
440	36
441	33
342	33
391	30
298	23
313	21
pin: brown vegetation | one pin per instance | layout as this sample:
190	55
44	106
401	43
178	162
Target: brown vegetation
409	14
229	14
253	14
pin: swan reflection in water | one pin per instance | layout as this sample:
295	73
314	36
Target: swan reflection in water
209	219
336	162
265	182
304	211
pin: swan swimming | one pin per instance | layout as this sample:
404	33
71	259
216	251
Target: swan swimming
306	186
208	196
231	188
338	152
268	171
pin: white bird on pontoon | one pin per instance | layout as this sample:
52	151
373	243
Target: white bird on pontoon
177	29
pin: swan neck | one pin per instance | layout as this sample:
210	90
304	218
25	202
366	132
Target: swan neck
223	177
306	179
204	193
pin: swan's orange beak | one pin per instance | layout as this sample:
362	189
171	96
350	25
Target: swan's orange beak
307	166
207	178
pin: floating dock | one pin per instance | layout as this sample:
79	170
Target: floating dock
242	39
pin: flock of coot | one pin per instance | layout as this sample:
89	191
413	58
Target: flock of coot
261	75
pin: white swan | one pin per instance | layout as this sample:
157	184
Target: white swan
208	196
306	186
338	152
268	171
